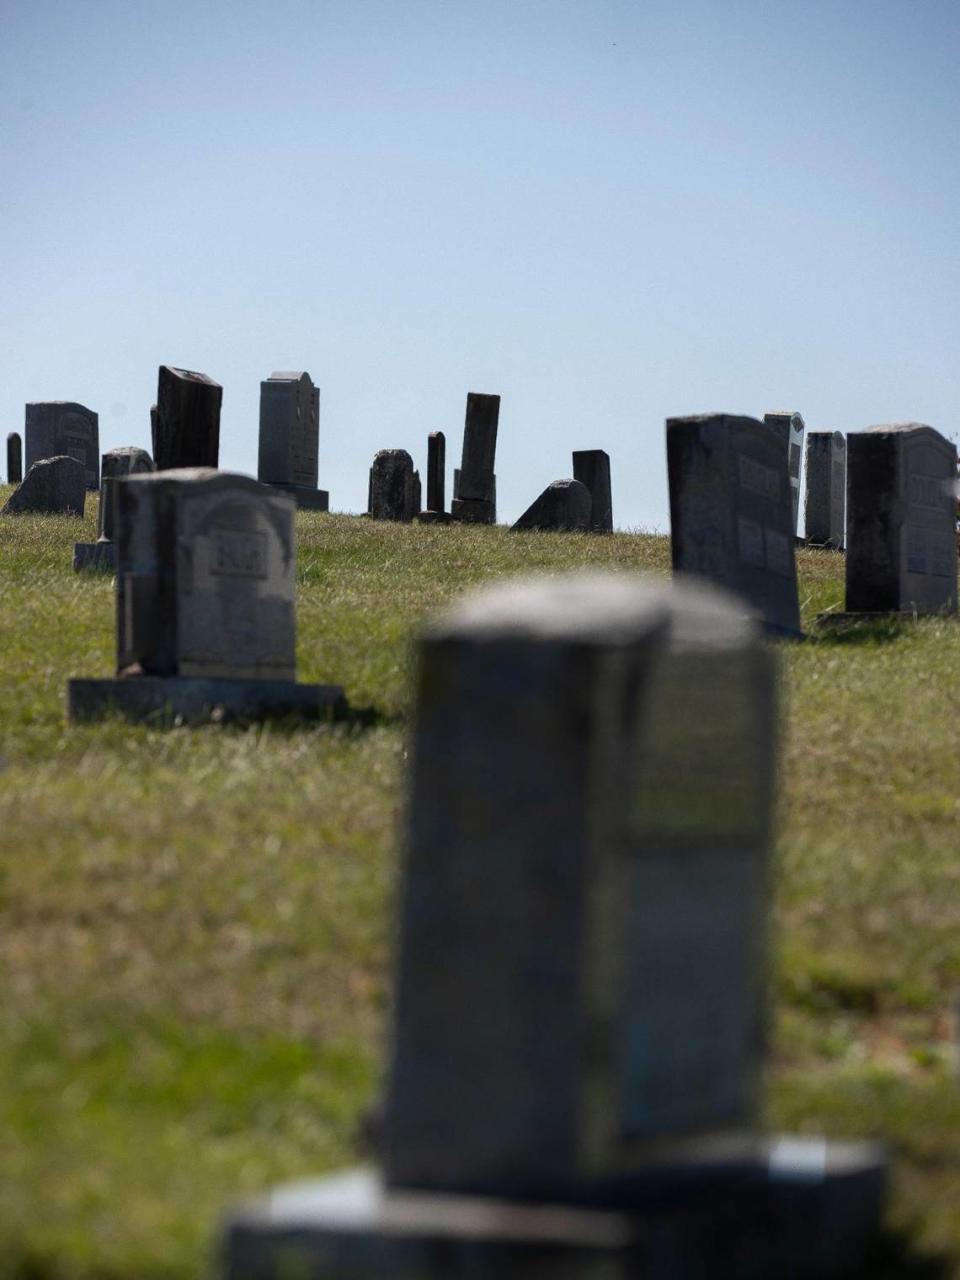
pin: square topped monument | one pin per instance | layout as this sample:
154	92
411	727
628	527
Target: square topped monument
824	513
289	436
58	428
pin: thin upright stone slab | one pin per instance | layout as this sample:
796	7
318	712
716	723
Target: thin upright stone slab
188	420
563	507
901	520
289	437
57	428
792	427
52	486
14	458
826	489
99	556
731	511
475	500
592	468
153	429
436	472
392	486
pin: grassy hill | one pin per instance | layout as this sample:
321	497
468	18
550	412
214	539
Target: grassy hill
195	925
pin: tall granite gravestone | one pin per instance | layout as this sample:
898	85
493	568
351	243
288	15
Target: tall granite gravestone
901	520
289	438
114	465
436	472
578	1027
826	488
393	486
563	507
188	420
206	582
475	499
14	459
791	425
52	486
731	514
55	428
592	468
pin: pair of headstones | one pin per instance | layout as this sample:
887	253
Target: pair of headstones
580	505
580	1015
62	459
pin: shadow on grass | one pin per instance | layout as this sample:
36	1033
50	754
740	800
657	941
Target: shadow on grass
893	1259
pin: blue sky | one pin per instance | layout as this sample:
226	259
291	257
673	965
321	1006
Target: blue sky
607	212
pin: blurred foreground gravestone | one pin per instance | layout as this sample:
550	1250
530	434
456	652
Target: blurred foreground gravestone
14	459
55	428
731	514
393	486
187	430
592	468
826	489
206	580
579	1026
289	438
791	427
563	507
475	485
52	486
99	556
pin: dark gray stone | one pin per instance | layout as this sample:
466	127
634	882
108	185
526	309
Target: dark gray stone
306	499
94	557
564	506
194	700
456	482
98	557
436	472
592	468
901	520
392	486
475	497
14	459
153	430
731	511
290	433
188	420
792	427
52	486
57	428
826	489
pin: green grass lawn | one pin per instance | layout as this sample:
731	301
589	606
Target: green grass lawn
195	924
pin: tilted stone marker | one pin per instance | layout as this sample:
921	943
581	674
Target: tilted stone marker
579	1020
792	427
730	511
564	506
99	556
188	420
206	581
475	493
289	438
826	489
393	488
52	486
14	459
55	428
901	520
592	468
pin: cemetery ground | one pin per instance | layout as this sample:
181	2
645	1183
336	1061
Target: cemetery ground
195	925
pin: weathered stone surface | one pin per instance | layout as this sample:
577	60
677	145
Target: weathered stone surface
901	520
188	420
731	511
436	471
57	428
114	465
592	468
195	700
289	430
52	486
14	459
826	489
392	486
564	506
153	429
792	427
94	557
475	498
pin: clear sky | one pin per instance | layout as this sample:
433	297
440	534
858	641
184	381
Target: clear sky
608	212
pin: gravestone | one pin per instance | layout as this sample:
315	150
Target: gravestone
791	425
114	465
564	506
289	438
14	459
392	486
436	472
57	428
901	520
826	489
153	430
731	514
52	486
475	497
579	1021
592	468
206	582
188	420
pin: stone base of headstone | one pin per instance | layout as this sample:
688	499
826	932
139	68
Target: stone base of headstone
307	499
473	511
94	557
814	1209
433	517
839	620
563	507
201	700
809	545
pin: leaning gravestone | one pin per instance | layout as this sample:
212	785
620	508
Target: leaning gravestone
564	506
55	428
731	514
574	1087
114	465
206	581
52	486
289	438
14	459
592	468
188	420
393	486
475	493
792	427
826	489
901	520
